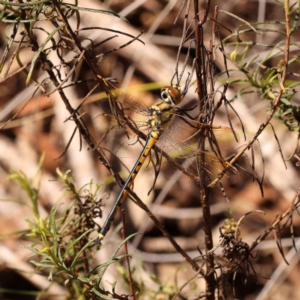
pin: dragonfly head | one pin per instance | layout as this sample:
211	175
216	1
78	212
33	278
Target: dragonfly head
171	94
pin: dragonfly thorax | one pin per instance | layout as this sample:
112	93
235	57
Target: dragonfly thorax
160	115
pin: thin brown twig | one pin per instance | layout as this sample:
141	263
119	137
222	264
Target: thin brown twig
278	219
204	191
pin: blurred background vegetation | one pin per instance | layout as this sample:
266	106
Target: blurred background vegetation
40	205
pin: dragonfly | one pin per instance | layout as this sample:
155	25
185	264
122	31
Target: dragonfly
158	126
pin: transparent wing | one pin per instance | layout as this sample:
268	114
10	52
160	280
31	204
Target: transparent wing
116	136
181	143
131	106
116	133
180	140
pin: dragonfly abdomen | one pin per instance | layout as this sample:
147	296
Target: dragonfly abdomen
152	138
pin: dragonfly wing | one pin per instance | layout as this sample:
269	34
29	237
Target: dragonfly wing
181	142
115	136
193	132
114	132
179	154
133	109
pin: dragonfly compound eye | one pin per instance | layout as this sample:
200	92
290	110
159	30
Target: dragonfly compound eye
171	94
164	94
